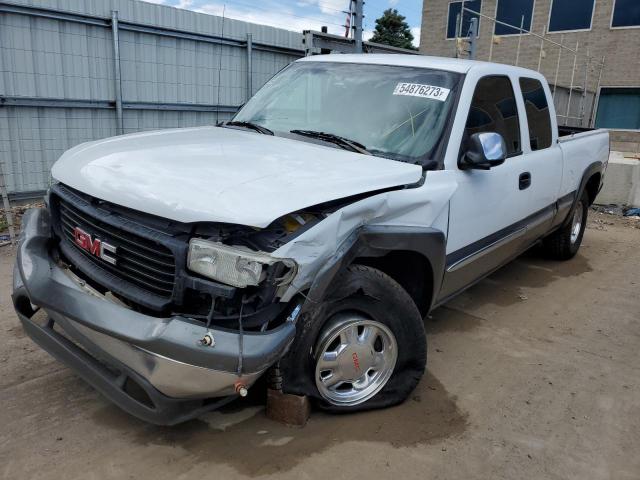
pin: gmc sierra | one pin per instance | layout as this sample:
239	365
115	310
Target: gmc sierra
308	237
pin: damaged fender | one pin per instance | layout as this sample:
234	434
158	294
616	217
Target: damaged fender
414	219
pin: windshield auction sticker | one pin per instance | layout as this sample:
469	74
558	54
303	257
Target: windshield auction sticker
423	91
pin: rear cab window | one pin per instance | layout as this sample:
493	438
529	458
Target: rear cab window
494	109
538	114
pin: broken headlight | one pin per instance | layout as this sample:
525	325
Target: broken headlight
233	265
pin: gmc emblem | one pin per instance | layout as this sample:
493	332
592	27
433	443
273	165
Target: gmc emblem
94	246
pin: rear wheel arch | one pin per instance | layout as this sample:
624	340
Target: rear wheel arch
589	184
592	186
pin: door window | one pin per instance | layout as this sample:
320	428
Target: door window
538	116
494	109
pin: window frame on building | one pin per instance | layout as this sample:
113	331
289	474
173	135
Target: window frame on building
593	12
597	106
527	32
446	25
624	27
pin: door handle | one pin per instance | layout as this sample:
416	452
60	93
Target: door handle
524	181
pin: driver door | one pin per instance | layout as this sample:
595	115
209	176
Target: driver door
485	220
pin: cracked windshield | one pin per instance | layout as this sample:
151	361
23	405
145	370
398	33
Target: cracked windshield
393	112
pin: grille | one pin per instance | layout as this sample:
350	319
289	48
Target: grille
140	261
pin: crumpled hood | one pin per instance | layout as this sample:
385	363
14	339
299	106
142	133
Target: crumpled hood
222	174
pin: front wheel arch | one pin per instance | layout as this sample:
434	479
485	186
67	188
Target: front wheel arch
420	253
413	272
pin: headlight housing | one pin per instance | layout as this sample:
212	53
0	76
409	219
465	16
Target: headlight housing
236	266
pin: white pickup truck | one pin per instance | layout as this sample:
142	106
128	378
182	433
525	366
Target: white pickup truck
308	237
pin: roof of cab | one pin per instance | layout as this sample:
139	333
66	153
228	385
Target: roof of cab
402	60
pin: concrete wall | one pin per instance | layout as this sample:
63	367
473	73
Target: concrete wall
622	181
625	141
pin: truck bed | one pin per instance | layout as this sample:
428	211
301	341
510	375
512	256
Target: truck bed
565	131
580	150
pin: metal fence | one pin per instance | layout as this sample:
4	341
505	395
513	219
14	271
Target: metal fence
572	72
72	71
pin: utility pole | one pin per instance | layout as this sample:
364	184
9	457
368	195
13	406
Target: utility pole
357	24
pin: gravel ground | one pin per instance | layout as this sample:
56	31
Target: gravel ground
533	373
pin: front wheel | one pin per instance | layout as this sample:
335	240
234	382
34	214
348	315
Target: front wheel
361	348
355	358
564	243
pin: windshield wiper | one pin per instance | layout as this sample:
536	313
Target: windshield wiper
251	125
343	142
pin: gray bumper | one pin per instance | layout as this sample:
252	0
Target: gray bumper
109	345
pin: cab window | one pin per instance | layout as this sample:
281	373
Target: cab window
494	109
538	116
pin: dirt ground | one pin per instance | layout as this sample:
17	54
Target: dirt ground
533	373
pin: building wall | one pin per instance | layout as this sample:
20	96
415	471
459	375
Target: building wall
620	47
167	80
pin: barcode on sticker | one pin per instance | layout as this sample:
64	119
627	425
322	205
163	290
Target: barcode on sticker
423	91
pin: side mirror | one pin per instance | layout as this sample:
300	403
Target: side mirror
486	150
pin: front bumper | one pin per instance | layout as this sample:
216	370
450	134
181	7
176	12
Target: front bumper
111	346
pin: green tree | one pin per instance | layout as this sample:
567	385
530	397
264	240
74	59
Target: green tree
391	29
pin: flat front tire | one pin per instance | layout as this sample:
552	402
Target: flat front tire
363	347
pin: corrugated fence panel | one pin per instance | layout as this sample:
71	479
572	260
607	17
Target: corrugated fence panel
144	120
34	138
53	59
173	70
57	80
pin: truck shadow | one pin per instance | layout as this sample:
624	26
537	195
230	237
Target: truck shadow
503	288
530	270
242	437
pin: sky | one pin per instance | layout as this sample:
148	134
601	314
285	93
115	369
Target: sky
301	15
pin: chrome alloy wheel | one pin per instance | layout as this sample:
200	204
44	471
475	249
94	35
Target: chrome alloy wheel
355	358
576	224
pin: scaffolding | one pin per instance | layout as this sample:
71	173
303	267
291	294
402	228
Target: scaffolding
581	84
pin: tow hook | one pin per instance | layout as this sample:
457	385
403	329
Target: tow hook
241	389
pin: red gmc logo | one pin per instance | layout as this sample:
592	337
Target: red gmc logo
94	246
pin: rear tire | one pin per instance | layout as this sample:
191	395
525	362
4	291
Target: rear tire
363	347
564	243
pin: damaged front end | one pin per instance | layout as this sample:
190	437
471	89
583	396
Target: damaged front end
167	320
241	257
